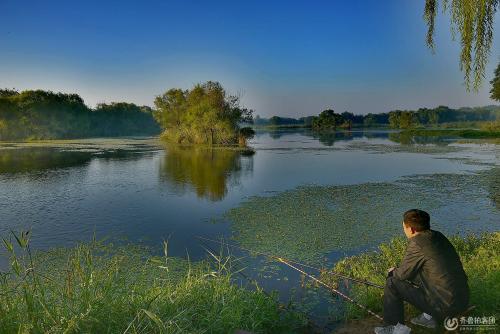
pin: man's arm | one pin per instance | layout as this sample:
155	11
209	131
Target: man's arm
411	264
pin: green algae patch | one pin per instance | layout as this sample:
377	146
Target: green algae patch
309	222
413	147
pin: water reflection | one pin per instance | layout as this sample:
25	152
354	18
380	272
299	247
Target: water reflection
34	159
37	159
207	171
404	138
329	138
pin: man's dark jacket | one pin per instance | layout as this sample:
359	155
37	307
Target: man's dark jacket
432	263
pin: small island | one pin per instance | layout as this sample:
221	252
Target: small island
205	114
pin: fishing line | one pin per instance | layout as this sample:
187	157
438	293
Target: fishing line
289	264
286	307
375	285
332	289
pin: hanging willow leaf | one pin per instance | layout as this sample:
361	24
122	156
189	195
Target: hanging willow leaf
474	22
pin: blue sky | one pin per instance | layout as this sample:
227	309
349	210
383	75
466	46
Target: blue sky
288	58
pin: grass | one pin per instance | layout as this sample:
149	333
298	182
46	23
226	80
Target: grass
480	256
102	288
461	133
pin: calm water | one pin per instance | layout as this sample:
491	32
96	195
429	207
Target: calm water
141	190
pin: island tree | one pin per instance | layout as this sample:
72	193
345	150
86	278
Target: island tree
329	120
205	114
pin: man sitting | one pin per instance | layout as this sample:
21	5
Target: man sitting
430	277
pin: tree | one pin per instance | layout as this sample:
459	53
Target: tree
474	21
327	120
407	120
38	114
8	92
122	119
495	85
206	114
394	119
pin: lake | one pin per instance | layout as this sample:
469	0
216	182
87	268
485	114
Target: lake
314	198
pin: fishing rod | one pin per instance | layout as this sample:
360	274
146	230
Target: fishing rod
212	252
289	264
357	280
332	289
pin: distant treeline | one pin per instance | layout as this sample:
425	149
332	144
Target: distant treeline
38	114
400	119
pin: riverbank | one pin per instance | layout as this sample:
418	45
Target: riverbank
104	288
480	257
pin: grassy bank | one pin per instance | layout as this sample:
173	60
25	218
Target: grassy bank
101	288
480	257
461	133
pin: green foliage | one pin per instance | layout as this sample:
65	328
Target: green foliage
375	119
101	288
474	21
206	114
408	119
491	126
37	114
329	120
495	85
480	257
288	122
277	121
8	92
122	119
404	119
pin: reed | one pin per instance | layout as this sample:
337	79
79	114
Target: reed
99	287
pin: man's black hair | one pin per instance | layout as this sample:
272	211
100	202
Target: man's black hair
419	220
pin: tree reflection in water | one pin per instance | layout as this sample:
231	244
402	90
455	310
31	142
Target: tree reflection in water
207	171
38	159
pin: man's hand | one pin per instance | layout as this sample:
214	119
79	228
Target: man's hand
389	271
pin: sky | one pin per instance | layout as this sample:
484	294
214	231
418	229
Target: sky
287	58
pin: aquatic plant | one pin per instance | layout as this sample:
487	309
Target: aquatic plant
103	288
309	222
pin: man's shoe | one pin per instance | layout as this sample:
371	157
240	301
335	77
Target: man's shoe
424	320
384	330
398	329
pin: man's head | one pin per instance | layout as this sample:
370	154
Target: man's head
415	221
